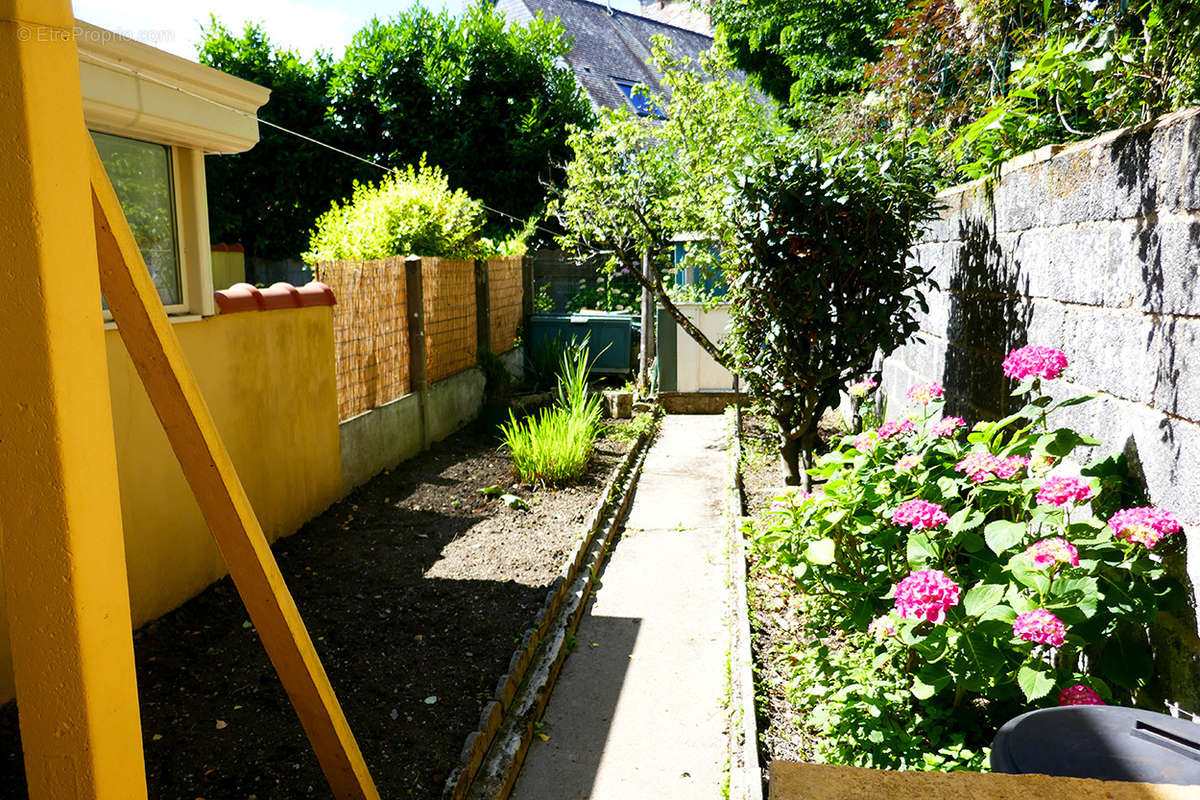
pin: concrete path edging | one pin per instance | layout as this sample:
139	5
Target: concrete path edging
641	708
746	775
492	754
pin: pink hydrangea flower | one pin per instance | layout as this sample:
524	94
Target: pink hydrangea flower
908	462
1079	695
946	427
862	388
1145	525
1007	468
889	429
920	515
1059	491
1035	362
882	627
1055	550
866	441
1040	626
925	393
981	465
978	466
926	594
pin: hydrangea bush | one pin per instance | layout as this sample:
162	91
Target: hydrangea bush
990	575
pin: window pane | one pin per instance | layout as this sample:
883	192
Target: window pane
635	93
141	174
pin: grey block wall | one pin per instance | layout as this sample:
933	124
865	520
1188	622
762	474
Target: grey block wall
1094	249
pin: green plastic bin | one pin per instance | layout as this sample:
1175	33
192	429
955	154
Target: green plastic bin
610	337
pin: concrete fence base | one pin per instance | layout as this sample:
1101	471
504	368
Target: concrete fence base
384	436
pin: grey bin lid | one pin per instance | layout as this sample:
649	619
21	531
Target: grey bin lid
1109	743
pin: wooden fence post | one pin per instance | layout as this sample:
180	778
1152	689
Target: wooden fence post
417	364
483	307
527	287
647	317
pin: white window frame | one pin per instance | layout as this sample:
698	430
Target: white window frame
190	207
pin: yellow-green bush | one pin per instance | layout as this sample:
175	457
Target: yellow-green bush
409	212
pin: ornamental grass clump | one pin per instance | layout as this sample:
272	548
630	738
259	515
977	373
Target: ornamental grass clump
554	446
991	577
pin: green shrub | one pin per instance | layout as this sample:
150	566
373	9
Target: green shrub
857	707
554	446
820	278
994	578
542	301
613	289
409	212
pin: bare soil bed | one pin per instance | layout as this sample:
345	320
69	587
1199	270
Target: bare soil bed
774	617
415	588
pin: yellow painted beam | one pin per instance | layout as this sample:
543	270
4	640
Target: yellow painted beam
185	417
60	517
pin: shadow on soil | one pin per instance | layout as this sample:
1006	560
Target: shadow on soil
412	659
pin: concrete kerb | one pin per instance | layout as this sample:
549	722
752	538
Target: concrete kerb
746	782
495	778
543	644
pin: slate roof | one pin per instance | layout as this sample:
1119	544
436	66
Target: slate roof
608	45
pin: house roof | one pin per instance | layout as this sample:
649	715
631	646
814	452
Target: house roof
608	45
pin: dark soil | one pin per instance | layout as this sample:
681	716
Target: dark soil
415	589
774	617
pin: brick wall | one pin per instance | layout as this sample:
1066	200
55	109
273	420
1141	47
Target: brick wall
450	326
505	296
1095	249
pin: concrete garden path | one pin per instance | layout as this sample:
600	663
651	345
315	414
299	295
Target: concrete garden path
638	708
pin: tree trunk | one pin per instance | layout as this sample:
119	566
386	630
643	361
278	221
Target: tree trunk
808	445
789	459
652	281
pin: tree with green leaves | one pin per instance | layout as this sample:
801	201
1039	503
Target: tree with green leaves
267	198
813	240
798	49
636	182
820	279
487	101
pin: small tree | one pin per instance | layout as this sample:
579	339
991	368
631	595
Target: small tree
636	182
821	278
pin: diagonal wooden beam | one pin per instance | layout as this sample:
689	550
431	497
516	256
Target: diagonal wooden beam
159	360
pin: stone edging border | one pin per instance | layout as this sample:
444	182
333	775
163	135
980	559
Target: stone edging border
521	694
745	781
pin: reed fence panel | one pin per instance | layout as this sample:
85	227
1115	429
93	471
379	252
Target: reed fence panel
370	329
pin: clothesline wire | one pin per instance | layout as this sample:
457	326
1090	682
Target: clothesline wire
289	131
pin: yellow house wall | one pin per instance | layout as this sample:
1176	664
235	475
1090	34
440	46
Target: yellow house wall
268	378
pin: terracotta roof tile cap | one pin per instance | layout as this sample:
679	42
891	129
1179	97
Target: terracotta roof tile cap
244	297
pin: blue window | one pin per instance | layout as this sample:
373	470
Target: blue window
636	94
